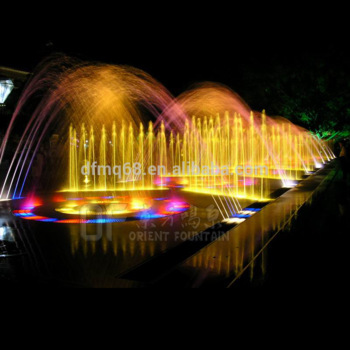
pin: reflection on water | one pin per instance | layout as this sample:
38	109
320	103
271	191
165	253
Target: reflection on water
93	255
104	251
130	244
244	248
115	243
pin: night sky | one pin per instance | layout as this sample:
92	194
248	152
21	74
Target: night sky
180	48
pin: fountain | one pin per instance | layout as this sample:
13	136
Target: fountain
109	116
284	151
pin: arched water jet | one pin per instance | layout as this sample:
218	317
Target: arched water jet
100	113
74	92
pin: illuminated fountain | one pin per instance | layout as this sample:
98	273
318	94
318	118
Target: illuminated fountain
225	132
109	148
240	150
232	157
101	114
73	92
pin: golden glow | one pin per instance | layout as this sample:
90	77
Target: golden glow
225	194
113	190
271	149
111	207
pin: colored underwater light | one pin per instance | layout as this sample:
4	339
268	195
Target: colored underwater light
23	213
48	220
31	203
28	215
290	184
253	209
58	199
107	205
104	221
151	215
233	221
71	221
104	210
178	207
241	216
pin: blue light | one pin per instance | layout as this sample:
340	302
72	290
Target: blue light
149	216
26	215
105	221
48	220
178	210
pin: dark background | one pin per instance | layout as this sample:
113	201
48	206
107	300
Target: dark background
291	60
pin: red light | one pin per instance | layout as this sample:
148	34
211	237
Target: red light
58	199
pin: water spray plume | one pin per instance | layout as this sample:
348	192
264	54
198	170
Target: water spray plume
115	115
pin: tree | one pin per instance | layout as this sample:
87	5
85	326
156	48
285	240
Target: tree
313	92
